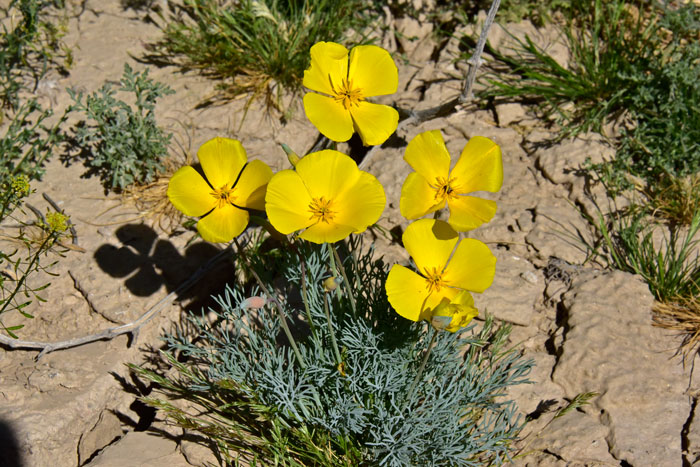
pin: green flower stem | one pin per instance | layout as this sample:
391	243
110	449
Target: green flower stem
334	269
330	329
45	245
421	368
345	278
283	318
304	294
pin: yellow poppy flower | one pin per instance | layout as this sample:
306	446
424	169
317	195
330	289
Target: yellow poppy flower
479	168
345	80
441	281
327	195
234	185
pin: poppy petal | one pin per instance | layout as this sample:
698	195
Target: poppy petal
362	204
222	160
472	266
372	71
326	232
469	212
480	166
327	173
328	116
418	197
329	61
190	193
374	122
430	243
407	292
428	156
252	185
287	202
223	224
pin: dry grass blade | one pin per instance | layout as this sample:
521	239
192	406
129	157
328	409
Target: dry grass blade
681	315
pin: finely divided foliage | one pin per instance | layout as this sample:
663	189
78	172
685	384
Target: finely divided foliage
363	407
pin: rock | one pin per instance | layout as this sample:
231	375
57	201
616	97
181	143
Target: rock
511	298
106	430
510	113
578	438
141	449
558	231
611	348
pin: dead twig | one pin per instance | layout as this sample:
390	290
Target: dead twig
132	328
415	117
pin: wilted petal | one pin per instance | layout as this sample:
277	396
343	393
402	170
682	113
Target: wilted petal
480	166
428	156
373	71
418	197
222	224
472	266
329	61
468	212
453	315
328	116
252	184
374	122
222	160
430	243
189	192
287	202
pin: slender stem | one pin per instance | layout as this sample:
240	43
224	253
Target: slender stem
330	328
8	302
421	368
304	294
283	317
334	269
345	279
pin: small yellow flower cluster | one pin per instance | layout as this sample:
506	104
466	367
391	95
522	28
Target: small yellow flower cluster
326	197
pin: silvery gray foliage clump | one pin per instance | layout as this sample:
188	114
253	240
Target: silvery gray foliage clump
456	415
122	143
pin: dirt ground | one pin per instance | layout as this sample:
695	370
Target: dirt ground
588	329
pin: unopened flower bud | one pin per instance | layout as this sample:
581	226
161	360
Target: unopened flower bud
291	155
330	284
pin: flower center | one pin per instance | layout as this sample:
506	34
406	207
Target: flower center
346	94
435	280
320	208
223	196
445	188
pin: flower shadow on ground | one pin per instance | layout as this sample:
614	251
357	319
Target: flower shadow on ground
147	263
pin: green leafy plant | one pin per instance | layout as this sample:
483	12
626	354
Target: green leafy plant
375	408
121	143
669	263
28	141
17	290
628	58
28	47
259	47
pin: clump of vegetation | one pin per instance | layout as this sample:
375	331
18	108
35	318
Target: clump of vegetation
256	46
633	60
17	291
28	141
264	407
28	47
121	143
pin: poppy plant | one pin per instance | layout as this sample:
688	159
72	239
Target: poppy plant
342	81
327	196
432	185
234	185
448	269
